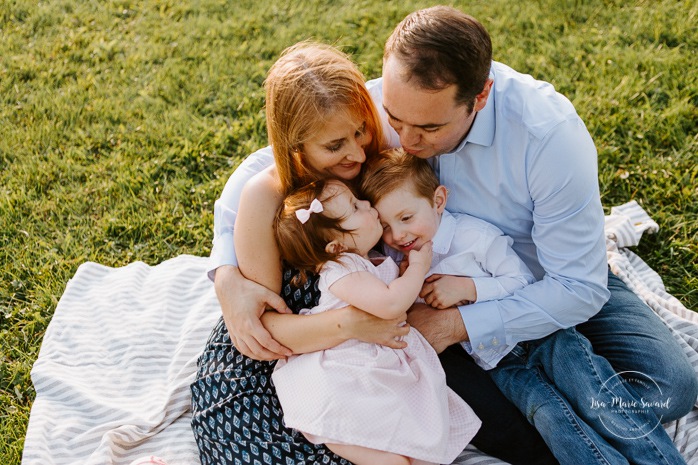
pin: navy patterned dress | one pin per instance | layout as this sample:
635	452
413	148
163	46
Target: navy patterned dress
237	418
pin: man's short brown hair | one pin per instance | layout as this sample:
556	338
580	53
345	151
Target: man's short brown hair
441	46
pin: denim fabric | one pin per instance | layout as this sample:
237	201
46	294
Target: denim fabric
634	339
505	433
588	414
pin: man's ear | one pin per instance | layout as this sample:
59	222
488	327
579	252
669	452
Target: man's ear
440	198
481	98
335	247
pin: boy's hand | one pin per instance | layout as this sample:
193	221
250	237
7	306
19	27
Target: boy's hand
444	291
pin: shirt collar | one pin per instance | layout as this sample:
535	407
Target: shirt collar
482	130
444	235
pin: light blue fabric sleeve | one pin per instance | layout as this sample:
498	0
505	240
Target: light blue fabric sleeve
570	247
225	209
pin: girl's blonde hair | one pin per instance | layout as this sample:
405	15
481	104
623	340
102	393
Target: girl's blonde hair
307	85
302	245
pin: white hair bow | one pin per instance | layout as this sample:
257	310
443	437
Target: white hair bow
303	214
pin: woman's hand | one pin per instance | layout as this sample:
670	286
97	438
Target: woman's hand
242	303
369	328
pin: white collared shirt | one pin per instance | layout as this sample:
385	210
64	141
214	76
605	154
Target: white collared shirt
468	246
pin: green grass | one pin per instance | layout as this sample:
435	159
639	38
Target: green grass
121	120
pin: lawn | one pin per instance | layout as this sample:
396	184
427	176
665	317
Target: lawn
121	120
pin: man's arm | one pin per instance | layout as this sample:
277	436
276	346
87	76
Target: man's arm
441	328
568	233
570	248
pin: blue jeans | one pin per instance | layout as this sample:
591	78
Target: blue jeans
626	332
505	433
588	414
634	339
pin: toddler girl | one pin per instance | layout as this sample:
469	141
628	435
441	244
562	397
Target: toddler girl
368	403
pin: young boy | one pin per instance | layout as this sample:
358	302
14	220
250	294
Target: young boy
473	262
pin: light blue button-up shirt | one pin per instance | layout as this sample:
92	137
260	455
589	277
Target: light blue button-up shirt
528	166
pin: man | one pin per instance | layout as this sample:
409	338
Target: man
514	152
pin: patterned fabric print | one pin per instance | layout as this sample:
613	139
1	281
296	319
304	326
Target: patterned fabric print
298	298
236	417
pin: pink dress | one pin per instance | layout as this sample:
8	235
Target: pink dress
369	395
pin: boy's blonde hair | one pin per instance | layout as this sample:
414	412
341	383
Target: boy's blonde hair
395	169
302	245
308	84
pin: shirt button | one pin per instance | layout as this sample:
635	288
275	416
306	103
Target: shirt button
495	341
481	346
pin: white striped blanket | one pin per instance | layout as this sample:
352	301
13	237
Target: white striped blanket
112	377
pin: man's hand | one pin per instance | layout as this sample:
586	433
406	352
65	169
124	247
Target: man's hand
441	328
444	291
242	303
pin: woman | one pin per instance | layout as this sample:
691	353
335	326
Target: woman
321	122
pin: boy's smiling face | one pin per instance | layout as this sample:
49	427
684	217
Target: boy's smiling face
410	220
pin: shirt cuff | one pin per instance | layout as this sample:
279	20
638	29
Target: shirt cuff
486	288
486	333
222	253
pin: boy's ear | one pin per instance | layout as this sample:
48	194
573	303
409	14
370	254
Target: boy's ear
440	198
335	247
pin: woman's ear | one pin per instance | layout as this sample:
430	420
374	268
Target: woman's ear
440	198
296	155
335	247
